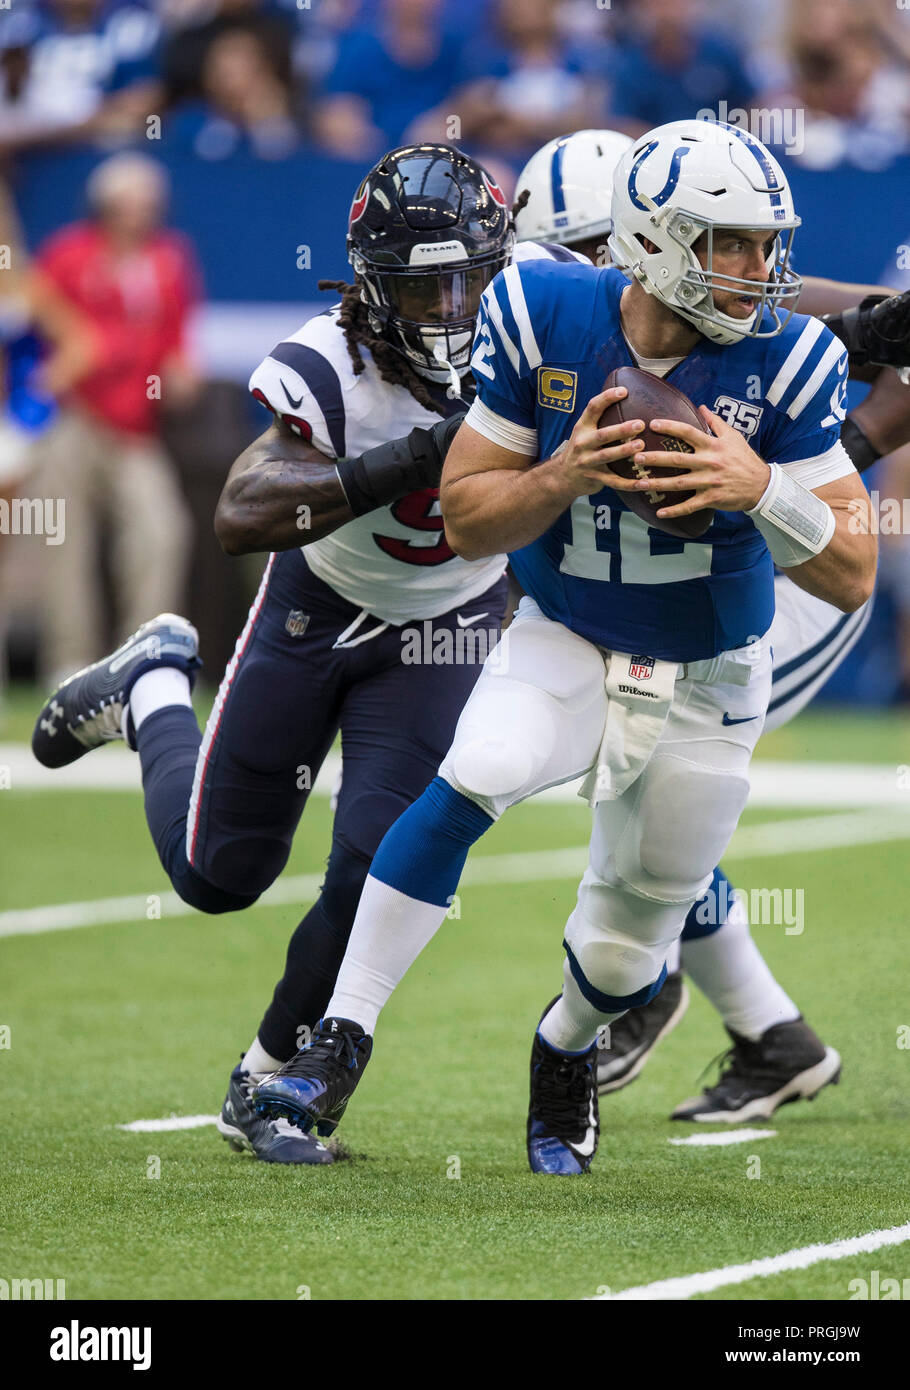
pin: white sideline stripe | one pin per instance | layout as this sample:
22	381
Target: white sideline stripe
173	1122
774	783
719	1141
690	1284
751	842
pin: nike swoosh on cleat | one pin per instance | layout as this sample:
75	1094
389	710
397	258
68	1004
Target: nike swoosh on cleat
295	405
586	1147
748	719
466	622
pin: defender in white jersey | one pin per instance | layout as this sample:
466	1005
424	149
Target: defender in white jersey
359	564
565	191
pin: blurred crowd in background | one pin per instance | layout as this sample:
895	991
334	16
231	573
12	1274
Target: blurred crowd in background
99	295
354	77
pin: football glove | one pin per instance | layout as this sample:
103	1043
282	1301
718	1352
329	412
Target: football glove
876	332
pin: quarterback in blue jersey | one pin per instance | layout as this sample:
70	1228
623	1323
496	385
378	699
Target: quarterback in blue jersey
775	1056
636	660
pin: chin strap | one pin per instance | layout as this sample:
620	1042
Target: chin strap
439	354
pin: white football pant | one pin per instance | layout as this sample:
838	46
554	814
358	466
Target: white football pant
536	718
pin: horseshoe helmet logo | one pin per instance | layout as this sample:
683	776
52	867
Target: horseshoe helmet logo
672	178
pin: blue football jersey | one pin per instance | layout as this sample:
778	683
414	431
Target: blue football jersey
548	335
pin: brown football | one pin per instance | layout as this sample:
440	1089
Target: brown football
651	398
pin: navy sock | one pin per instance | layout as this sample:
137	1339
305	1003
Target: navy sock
168	743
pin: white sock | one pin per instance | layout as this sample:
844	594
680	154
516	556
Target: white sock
572	1023
673	956
156	690
257	1061
389	933
729	969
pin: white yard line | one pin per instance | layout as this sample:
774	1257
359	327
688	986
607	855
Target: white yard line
719	1141
751	842
173	1122
711	1279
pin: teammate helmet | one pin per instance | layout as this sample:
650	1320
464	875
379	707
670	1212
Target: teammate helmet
692	177
428	230
570	181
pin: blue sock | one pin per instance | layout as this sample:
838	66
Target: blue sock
424	852
709	913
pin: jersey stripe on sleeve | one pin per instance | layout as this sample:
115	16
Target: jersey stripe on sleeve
322	379
794	361
516	295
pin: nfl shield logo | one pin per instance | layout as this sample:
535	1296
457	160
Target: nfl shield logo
297	622
640	667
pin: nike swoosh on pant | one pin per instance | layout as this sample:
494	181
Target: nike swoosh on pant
466	622
748	719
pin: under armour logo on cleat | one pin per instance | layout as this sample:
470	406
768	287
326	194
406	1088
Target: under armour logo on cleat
55	712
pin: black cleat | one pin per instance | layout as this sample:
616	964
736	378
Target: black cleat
634	1036
273	1141
314	1087
87	709
787	1063
563	1124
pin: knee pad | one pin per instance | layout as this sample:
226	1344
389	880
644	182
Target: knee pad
508	737
680	828
205	896
619	941
619	969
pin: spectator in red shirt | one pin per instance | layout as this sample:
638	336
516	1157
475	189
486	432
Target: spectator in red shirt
134	284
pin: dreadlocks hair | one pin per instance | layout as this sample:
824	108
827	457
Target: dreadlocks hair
521	201
393	368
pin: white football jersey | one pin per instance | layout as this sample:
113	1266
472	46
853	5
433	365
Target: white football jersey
395	561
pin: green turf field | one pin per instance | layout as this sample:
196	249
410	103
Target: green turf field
144	1019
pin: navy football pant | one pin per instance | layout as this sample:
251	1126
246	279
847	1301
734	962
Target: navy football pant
223	807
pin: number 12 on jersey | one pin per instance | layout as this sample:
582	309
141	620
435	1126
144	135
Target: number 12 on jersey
616	546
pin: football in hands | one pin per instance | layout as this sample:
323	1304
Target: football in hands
650	398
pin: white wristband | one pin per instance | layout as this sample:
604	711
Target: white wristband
795	523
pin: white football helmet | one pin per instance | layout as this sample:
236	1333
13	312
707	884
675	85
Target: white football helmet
571	185
690	177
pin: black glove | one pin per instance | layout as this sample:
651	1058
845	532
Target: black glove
392	470
876	332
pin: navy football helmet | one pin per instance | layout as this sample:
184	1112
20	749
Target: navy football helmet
428	230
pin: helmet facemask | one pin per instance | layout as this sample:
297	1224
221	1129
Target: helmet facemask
428	313
693	294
